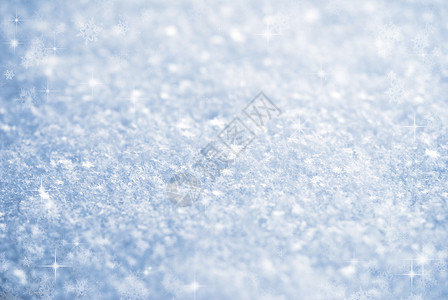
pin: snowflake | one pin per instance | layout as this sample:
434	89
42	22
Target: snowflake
69	288
27	97
420	43
122	27
9	74
80	288
395	92
132	287
8	293
40	286
85	256
26	262
45	287
387	38
89	31
391	75
390	32
36	54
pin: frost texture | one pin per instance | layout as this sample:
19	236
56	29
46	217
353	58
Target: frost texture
341	196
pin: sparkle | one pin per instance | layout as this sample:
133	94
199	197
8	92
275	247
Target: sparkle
354	261
134	98
92	83
322	75
55	266
14	43
422	260
411	275
268	34
194	286
300	130
414	127
47	90
76	242
44	195
16	20
55	48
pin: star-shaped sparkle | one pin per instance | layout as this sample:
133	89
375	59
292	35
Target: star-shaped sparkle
412	274
55	266
414	127
268	34
47	90
92	83
55	46
194	286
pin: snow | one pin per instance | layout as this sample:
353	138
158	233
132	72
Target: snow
223	149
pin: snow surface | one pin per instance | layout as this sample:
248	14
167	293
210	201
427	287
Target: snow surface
341	196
